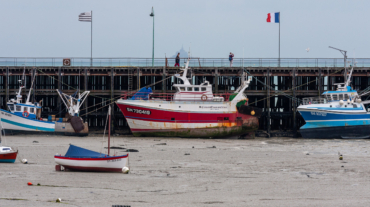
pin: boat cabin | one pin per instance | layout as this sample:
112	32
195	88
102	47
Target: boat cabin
31	111
5	149
189	92
202	92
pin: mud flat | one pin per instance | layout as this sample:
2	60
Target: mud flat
193	172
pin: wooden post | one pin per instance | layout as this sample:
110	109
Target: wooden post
112	97
60	88
268	103
216	81
138	79
7	84
164	82
294	103
320	82
87	98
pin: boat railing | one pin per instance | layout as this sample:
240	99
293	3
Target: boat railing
314	100
170	97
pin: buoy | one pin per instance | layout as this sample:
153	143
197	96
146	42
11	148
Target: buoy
341	157
341	102
58	200
29	183
24	161
125	170
253	113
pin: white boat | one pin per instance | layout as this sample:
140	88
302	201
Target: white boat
336	114
193	111
25	117
81	159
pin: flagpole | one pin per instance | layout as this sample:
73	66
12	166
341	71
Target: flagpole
91	41
279	39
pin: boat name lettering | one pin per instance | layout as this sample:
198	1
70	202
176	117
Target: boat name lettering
115	160
6	114
318	113
213	107
138	111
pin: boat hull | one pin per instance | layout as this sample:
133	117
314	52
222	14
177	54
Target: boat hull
14	124
8	157
105	164
359	131
335	124
213	120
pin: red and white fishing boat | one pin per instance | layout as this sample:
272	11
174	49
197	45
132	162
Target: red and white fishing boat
193	111
81	159
7	154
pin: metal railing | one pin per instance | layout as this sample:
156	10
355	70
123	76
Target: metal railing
314	100
170	96
194	62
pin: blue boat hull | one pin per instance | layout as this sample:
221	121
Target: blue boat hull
7	160
359	131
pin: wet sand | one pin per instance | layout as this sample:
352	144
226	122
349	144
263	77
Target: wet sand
220	172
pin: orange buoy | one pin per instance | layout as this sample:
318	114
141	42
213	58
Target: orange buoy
29	183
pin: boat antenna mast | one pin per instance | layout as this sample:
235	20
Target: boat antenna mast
73	102
344	53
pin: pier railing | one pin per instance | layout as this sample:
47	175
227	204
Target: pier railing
170	62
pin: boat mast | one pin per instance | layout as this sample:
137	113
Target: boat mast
109	130
29	94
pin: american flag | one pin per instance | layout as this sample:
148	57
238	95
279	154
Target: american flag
85	17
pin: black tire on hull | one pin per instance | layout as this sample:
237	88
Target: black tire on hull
360	131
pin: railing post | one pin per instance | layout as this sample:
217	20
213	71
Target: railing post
60	88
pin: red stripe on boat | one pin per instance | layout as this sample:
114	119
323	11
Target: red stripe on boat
157	115
91	159
97	169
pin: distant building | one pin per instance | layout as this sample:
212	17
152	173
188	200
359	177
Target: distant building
183	53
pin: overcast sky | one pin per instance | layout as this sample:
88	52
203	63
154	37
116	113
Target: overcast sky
211	28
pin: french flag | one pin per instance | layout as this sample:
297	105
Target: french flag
273	17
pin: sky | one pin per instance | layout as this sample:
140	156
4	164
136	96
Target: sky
210	28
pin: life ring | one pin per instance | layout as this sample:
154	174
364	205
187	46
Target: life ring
25	114
204	97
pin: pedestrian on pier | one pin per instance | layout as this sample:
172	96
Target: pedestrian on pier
177	60
231	58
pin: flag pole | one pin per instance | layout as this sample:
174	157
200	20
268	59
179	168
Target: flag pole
91	40
279	39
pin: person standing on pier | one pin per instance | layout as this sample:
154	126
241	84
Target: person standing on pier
231	58
177	60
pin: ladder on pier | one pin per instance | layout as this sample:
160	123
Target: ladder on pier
130	79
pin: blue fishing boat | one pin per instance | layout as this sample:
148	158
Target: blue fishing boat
336	114
25	116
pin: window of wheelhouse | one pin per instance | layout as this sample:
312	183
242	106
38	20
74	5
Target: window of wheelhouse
346	97
25	109
335	96
196	88
11	107
32	110
182	88
18	108
340	96
190	89
204	89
